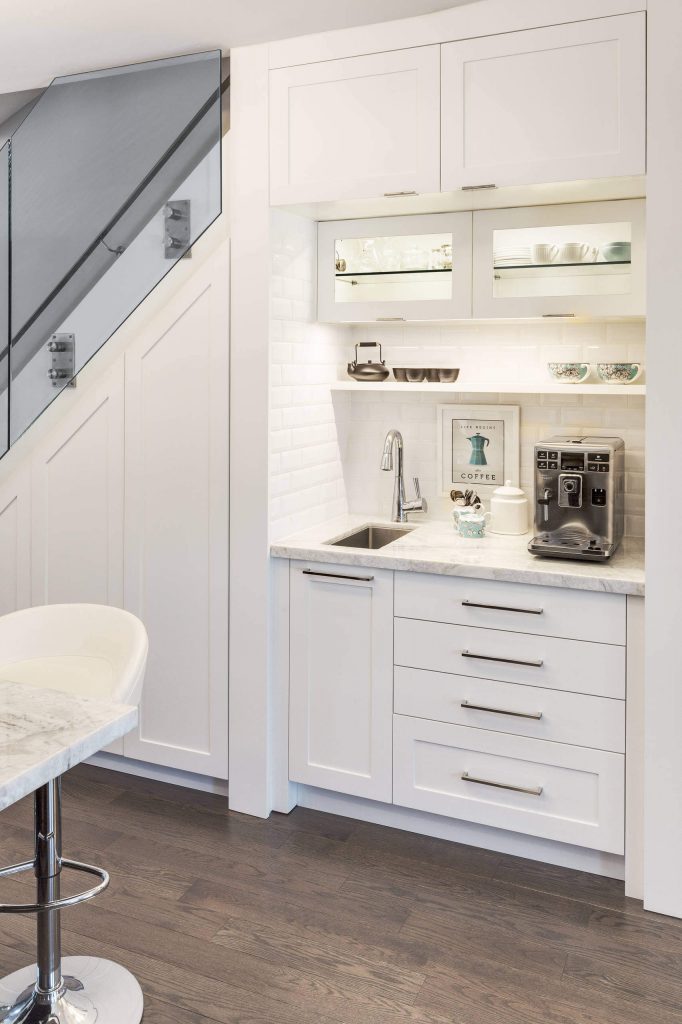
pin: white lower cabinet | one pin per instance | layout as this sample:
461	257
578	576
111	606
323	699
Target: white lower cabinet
553	790
126	503
485	699
522	658
341	679
176	524
15	543
532	711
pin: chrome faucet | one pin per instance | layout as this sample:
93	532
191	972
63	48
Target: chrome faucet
400	506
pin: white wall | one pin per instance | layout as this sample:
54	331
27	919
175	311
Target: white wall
663	708
249	408
306	474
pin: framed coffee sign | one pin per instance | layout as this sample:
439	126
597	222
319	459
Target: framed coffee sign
478	446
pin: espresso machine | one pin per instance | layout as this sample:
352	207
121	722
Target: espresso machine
579	497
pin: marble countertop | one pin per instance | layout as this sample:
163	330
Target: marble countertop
43	733
435	547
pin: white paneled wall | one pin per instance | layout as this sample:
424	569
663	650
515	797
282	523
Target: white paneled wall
306	474
495	353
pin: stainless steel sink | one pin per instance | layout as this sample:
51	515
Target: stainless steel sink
371	537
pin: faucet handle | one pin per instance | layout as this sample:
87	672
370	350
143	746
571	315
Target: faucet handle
417	489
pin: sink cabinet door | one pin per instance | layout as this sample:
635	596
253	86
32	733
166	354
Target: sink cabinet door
563	103
356	128
341	679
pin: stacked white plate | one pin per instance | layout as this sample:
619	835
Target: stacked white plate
512	256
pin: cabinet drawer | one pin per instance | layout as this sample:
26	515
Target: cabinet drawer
515	657
519	607
507	707
552	790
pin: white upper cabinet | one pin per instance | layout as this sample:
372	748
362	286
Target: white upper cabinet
395	268
356	128
578	259
550	104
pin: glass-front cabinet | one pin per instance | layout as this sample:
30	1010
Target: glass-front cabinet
581	259
395	268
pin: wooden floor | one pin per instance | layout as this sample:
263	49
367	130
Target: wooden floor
314	919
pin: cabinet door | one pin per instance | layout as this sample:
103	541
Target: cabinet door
395	268
357	127
176	521
15	543
581	259
341	679
549	104
77	500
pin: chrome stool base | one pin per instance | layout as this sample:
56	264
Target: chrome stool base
93	990
78	989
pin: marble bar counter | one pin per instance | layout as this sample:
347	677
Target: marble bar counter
45	732
435	547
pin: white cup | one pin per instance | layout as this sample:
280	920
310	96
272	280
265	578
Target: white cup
576	252
545	253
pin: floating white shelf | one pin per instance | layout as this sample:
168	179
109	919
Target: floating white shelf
495	388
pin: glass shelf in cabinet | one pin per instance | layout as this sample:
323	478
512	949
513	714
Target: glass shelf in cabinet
597	268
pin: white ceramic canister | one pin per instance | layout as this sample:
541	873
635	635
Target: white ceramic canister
509	510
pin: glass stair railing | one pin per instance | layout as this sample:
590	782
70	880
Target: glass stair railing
107	182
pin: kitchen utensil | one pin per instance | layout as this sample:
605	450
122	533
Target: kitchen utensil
470	524
576	252
400	373
468	499
509	510
569	373
447	375
619	373
616	252
415	374
544	253
368	371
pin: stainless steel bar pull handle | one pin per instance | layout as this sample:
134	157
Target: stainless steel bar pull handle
530	790
337	576
506	661
394	195
535	715
503	608
389	319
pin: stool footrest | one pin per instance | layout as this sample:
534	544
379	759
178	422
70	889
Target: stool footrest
65	901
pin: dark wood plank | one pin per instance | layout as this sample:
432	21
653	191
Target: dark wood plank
312	918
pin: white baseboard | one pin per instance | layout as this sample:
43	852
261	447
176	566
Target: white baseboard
482	836
160	774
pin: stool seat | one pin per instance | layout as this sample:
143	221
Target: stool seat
84	676
88	649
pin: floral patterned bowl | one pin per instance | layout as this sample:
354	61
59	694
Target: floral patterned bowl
619	373
569	373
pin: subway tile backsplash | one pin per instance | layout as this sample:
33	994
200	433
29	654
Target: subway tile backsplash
364	427
325	447
514	352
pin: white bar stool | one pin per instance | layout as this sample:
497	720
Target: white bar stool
93	651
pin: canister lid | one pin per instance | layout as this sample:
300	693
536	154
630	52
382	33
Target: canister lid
508	491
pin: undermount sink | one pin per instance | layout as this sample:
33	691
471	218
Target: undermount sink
372	537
